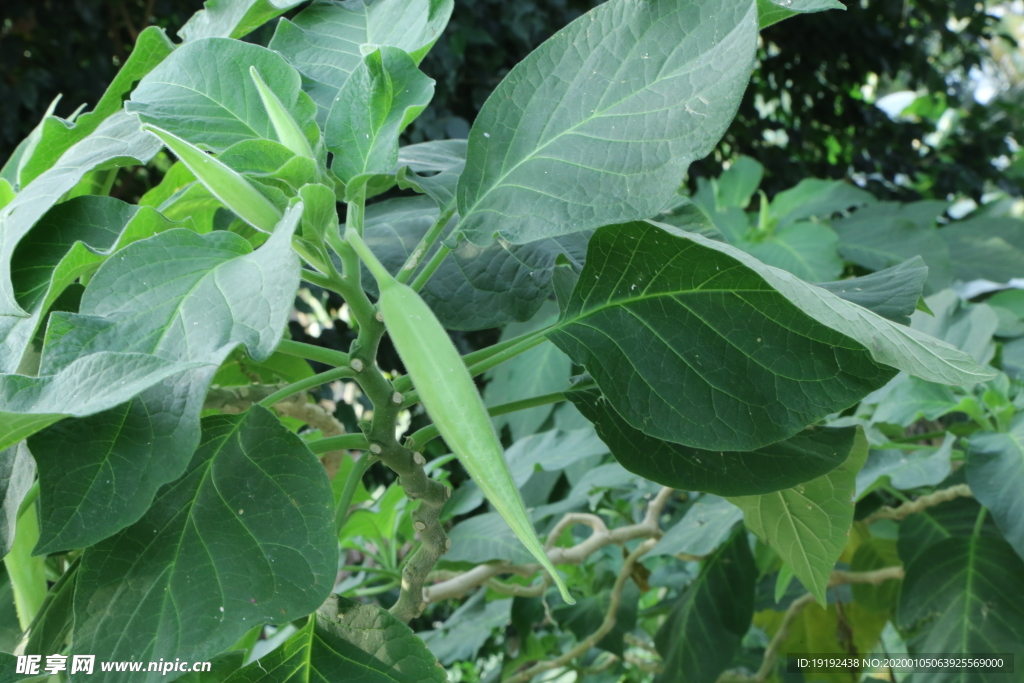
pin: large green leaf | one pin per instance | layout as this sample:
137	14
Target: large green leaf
483	538
116	141
342	638
600	123
380	99
964	596
954	519
244	537
995	471
706	524
807	525
17	473
85	386
967	326
815	197
475	287
57	135
232	18
704	630
888	233
181	297
204	94
986	248
325	41
905	470
696	342
544	369
777	466
806	249
70	241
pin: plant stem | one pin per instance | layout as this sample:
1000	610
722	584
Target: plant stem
420	438
424	246
319	354
351	484
308	383
433	264
345	442
979	522
27	574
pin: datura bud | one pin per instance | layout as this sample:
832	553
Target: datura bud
448	393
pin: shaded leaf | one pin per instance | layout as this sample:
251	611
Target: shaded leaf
245	537
232	19
906	469
892	293
814	197
702	634
773	11
986	248
706	524
806	455
17	474
954	519
600	123
995	472
462	635
807	525
808	250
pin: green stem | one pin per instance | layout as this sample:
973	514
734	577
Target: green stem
317	353
345	442
366	254
979	522
108	181
375	590
308	383
918	437
432	265
356	211
320	280
351	484
30	497
425	245
27	574
420	438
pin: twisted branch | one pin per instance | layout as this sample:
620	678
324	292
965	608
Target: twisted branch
902	511
460	584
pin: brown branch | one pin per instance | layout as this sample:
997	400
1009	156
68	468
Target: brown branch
902	511
607	625
458	585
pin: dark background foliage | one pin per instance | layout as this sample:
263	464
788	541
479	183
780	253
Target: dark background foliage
808	84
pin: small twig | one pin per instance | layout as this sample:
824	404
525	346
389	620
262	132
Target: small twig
458	585
607	625
902	511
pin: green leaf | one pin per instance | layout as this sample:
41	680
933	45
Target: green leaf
967	326
702	634
773	11
52	625
986	248
599	124
17	473
116	141
325	41
462	635
244	537
964	596
474	288
690	217
876	553
84	386
58	135
287	128
906	470
232	18
955	519
696	342
380	99
738	183
203	93
777	466
892	293
706	524
814	197
342	638
191	299
995	472
483	538
888	233
807	525
808	250
906	400
580	619
69	242
541	370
